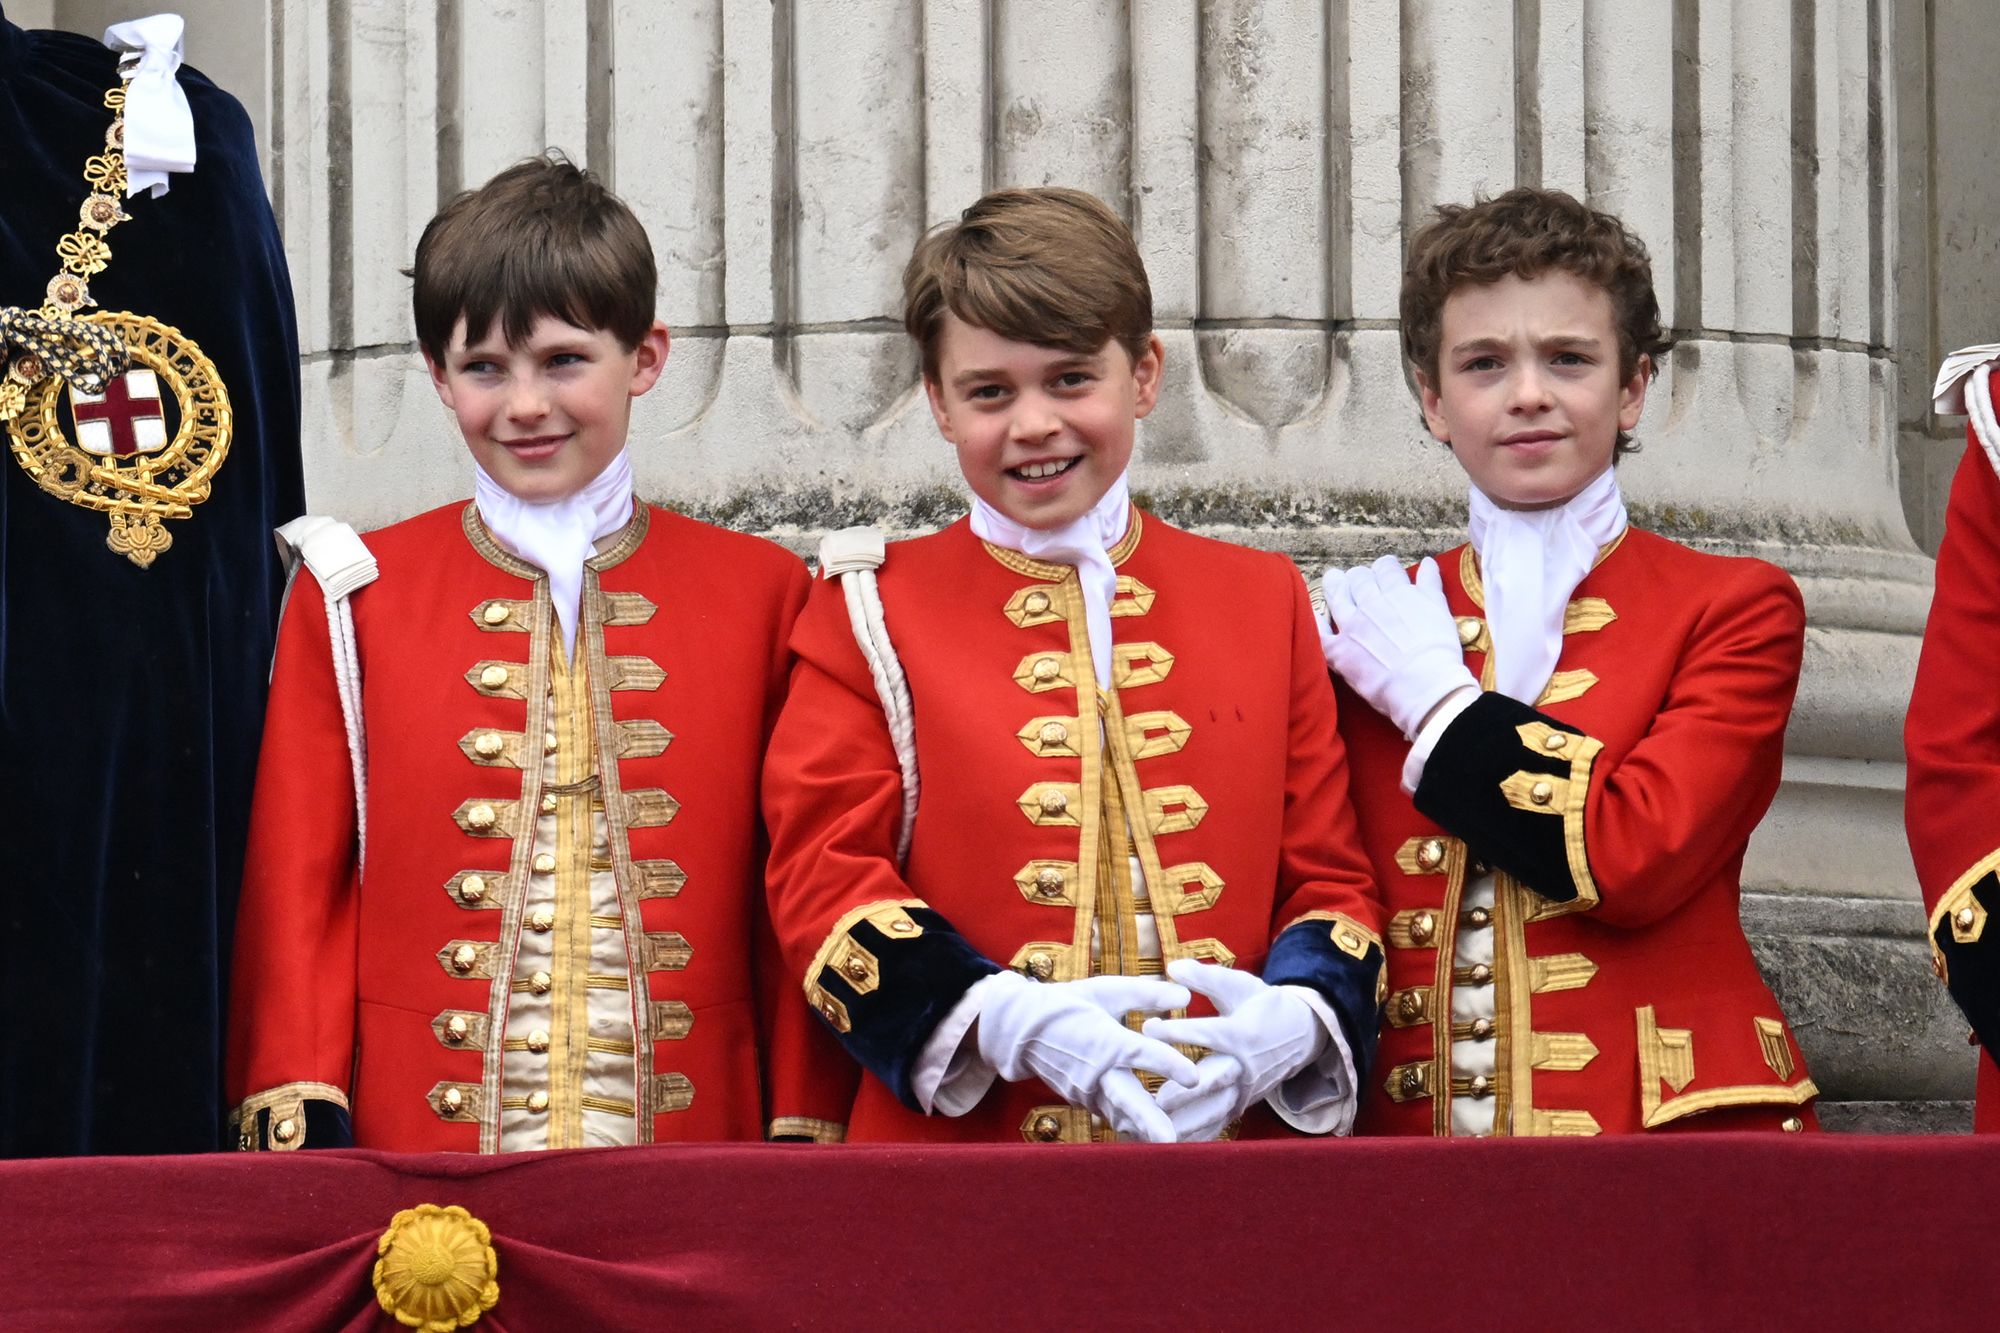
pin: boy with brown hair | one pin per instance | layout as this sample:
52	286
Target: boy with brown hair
1571	726
504	879
1060	748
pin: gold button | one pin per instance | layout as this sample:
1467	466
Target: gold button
493	677
1348	941
539	982
1479	918
1047	668
548	742
1423	927
1410	1005
496	613
1035	603
481	816
857	967
1480	974
1964	918
1792	1124
472	888
830	1011
452	1100
1047	1128
1042	964
1054	733
1468	631
489	744
538	1041
456	1028
1541	793
1049	882
285	1130
1479	1085
1054	802
538	1101
1430	855
1554	741
545	862
1482	1028
542	920
549	804
464	957
902	925
1413	1080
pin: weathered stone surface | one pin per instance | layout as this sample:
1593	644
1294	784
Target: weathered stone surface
1896	1117
1853	976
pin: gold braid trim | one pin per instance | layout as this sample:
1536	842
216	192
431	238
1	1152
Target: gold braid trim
806	1127
284	1102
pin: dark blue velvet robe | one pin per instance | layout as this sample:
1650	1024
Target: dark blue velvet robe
131	700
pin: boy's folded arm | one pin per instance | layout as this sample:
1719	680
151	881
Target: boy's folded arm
1327	916
292	994
1631	840
879	965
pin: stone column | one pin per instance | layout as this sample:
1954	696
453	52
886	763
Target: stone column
1271	156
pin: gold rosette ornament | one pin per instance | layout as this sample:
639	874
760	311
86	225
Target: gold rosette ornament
437	1271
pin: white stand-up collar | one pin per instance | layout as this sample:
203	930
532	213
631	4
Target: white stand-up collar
559	535
1530	561
1085	543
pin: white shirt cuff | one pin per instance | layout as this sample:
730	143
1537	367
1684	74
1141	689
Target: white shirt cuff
1320	1098
1431	732
950	1076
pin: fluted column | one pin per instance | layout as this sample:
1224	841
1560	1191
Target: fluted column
1272	156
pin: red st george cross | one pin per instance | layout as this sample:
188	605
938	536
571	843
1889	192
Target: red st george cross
126	414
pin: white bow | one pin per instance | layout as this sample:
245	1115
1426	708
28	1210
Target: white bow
159	128
1084	542
559	535
1530	561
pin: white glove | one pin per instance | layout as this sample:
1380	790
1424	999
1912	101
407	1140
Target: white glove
1262	1035
1395	642
1072	1036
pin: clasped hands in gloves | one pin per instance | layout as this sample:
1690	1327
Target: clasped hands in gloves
1072	1036
1395	642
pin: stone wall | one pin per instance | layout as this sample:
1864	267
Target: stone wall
1271	156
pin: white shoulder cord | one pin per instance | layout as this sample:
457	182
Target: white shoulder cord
343	565
1979	406
852	555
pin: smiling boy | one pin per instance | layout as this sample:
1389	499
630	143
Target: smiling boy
537	927
1566	729
1120	755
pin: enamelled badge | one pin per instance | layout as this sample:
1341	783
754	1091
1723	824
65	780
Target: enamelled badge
112	411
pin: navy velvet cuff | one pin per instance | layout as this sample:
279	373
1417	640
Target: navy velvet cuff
1305	955
327	1125
915	981
1972	969
1465	790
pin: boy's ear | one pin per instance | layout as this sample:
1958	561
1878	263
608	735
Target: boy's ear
934	394
650	357
1432	404
438	380
1632	394
1146	373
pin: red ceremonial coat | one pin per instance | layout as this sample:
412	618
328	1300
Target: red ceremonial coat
1615	818
1218	751
385	987
1952	737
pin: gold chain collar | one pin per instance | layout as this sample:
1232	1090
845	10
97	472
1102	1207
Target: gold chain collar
117	369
